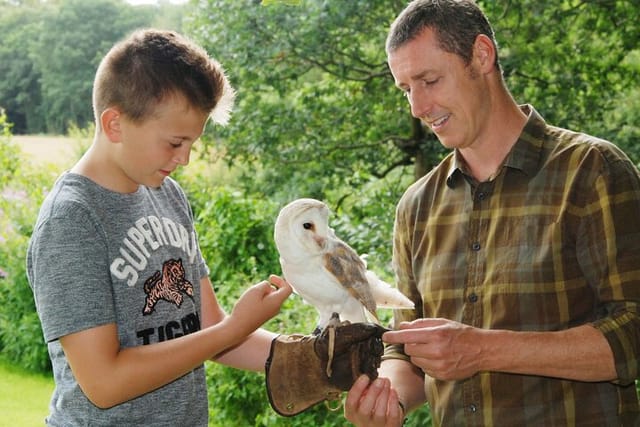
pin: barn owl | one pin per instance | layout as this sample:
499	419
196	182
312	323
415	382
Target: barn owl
325	271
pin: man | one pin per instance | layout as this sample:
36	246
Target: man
519	251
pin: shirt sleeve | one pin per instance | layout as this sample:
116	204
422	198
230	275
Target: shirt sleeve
67	264
608	248
404	274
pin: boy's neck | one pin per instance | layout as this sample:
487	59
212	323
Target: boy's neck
97	166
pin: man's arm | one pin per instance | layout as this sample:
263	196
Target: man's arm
449	350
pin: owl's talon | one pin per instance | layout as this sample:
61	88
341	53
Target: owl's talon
335	321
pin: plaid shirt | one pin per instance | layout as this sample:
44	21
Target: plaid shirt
552	242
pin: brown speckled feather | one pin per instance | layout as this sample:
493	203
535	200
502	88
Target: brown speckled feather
349	269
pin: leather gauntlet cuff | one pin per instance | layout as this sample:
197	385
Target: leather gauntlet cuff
296	377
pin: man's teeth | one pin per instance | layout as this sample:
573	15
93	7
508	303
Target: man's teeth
440	121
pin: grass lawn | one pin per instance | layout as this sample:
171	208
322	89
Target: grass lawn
24	396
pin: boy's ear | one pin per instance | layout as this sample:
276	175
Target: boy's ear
110	122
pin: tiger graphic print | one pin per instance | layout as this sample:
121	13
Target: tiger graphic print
168	286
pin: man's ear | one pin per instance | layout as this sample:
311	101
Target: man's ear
111	126
484	53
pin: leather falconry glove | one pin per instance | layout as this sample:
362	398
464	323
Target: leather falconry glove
303	370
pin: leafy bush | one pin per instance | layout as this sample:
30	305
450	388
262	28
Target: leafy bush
21	192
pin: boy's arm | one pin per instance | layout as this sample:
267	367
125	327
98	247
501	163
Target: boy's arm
110	375
252	352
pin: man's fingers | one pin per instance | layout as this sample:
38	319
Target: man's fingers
407	336
417	332
355	394
423	323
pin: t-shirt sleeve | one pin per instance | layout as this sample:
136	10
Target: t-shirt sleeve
67	265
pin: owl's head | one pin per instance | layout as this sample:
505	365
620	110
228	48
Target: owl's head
302	228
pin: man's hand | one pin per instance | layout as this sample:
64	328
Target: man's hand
443	349
373	403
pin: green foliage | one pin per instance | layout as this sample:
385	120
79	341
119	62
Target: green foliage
625	116
21	192
326	107
49	52
316	101
68	59
235	233
19	86
575	61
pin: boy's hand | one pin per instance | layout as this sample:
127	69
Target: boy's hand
260	303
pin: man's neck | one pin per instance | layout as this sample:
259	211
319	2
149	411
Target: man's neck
485	159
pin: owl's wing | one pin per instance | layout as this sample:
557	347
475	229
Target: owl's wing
350	271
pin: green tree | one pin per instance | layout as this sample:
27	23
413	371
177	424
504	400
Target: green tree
50	50
316	100
575	61
19	82
73	38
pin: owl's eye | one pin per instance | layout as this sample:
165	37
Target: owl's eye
307	226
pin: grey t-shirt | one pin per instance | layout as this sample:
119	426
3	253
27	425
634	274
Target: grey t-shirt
98	257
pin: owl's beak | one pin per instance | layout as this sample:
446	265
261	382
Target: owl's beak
320	241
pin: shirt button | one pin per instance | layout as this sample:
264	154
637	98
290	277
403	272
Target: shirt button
473	297
482	195
475	246
473	408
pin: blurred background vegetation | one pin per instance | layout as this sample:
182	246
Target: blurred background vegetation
317	115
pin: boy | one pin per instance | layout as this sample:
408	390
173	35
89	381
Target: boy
121	288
